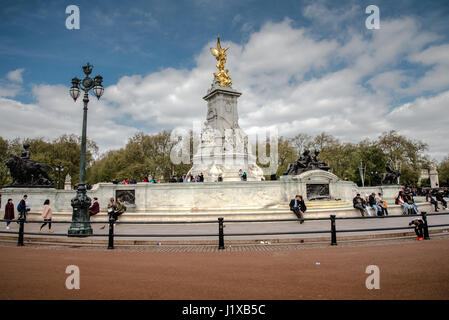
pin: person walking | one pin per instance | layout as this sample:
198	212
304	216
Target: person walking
298	206
9	212
22	208
46	215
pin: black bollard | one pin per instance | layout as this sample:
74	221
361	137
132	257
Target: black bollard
111	233
21	227
426	227
220	234
333	231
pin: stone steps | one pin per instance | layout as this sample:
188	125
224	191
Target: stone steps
245	214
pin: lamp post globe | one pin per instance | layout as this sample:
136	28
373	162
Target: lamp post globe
80	226
59	169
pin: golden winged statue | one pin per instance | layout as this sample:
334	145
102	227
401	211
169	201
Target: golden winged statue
220	54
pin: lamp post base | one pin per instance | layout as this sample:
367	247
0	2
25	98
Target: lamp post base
80	229
80	226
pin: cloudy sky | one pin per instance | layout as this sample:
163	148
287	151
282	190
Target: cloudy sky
302	66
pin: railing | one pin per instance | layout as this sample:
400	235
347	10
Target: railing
332	218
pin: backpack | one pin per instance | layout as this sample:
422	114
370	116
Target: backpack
19	207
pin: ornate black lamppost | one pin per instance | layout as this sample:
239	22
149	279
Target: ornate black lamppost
80	226
59	167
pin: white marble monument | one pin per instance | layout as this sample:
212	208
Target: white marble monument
223	146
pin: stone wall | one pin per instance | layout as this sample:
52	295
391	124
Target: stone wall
200	196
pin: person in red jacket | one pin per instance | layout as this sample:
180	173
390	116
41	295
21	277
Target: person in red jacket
94	208
9	212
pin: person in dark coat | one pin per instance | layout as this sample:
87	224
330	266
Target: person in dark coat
440	197
419	226
9	212
298	206
360	204
22	208
432	201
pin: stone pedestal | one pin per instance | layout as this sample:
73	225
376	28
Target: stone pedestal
433	175
223	146
68	182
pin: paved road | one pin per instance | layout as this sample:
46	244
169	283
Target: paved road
407	270
188	231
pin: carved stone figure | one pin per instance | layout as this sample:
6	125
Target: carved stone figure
306	162
391	177
26	172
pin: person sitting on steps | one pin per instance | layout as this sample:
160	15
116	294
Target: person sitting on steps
360	204
298	206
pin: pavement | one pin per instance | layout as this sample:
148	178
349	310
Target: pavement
407	269
233	231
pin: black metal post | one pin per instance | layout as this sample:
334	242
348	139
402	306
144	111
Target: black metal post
426	227
333	231
111	233
21	227
220	234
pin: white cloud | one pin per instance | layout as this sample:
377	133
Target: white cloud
15	75
11	86
425	119
289	80
55	113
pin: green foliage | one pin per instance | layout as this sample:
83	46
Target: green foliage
406	155
64	150
4	172
443	171
142	156
286	155
146	155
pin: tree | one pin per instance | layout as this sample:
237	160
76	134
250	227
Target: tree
4	172
405	155
322	141
142	156
342	159
443	171
300	142
286	155
64	149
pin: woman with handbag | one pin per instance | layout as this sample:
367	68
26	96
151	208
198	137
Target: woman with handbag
46	215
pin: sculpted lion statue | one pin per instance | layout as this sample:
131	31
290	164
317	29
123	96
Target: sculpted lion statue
26	172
